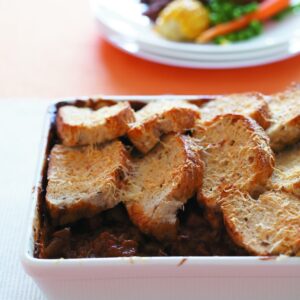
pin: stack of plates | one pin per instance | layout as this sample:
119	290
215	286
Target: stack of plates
124	26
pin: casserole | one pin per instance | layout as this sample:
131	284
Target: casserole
151	277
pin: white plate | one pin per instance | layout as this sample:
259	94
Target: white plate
114	25
131	46
128	19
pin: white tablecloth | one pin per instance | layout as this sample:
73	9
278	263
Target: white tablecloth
21	123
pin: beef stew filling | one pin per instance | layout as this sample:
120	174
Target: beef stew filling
112	234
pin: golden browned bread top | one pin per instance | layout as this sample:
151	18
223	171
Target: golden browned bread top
236	155
161	117
253	105
269	225
83	181
160	184
286	174
285	112
228	162
83	126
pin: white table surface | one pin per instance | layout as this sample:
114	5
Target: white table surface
21	123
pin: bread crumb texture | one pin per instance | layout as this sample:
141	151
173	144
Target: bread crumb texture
161	117
237	155
84	126
286	175
269	225
83	181
253	105
285	112
161	183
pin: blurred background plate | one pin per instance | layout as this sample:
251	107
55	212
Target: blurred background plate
124	19
128	14
130	46
119	27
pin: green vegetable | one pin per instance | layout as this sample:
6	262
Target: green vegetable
256	27
253	29
221	40
222	11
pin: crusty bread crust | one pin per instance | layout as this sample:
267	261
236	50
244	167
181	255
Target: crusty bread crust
83	126
285	111
83	181
267	226
161	183
286	175
161	117
236	155
253	105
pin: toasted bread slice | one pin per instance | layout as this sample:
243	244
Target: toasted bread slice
285	111
161	183
253	105
83	126
160	117
267	226
286	175
82	181
236	155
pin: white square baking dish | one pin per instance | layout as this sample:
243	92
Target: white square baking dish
148	278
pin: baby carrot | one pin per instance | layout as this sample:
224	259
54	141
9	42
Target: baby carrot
266	10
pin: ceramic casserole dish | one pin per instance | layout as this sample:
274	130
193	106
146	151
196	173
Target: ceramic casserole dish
148	278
